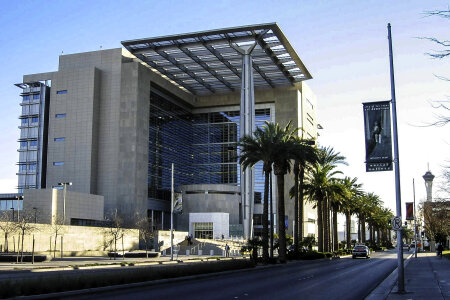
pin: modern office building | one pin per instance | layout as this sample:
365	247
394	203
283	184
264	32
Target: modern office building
113	121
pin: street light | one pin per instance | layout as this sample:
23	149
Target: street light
64	184
18	208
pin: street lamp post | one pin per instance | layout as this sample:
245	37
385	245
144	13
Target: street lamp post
64	184
18	208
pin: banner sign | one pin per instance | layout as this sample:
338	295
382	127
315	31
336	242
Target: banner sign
377	125
409	211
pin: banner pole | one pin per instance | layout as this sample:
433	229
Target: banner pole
400	269
415	226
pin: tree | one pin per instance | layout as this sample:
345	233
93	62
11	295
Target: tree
254	149
25	225
352	192
436	220
304	155
8	226
285	148
443	117
58	229
145	231
321	186
115	229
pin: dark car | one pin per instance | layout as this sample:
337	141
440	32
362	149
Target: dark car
360	251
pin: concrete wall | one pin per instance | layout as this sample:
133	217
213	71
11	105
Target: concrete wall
77	240
78	205
221	224
162	240
209	198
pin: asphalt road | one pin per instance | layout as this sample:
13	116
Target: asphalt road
344	278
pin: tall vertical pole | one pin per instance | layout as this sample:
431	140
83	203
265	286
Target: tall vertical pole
400	269
18	208
64	204
246	127
415	226
171	215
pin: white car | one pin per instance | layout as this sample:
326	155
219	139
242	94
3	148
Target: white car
361	251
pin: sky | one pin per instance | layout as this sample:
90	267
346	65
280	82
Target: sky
342	43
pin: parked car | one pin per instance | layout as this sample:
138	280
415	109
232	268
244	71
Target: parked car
361	251
406	247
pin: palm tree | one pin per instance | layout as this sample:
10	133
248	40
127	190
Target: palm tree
253	150
305	155
353	191
328	160
285	148
320	183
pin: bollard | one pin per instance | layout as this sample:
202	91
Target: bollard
188	252
211	252
200	252
164	252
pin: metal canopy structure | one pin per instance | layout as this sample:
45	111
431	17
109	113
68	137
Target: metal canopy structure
205	63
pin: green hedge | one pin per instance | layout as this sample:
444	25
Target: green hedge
53	282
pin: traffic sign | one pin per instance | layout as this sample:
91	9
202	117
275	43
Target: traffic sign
396	223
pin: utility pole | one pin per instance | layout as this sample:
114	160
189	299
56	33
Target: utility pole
400	269
415	226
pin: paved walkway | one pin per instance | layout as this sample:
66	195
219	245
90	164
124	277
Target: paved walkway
426	277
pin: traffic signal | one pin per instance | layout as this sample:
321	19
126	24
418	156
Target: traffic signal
422	234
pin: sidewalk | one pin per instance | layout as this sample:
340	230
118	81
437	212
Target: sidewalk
426	277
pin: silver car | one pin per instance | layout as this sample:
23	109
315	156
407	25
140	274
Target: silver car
360	251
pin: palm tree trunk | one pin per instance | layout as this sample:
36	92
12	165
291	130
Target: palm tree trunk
296	205
320	225
281	217
326	226
335	228
265	218
348	222
359	229
271	216
363	229
301	194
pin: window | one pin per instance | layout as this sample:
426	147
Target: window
203	230
34	119
23	144
36	96
60	139
24	121
60	115
32	167
58	163
27	97
61	92
22	167
33	143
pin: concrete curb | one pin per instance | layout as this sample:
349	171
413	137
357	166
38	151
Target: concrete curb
383	290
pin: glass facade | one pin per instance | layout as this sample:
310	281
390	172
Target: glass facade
33	135
202	146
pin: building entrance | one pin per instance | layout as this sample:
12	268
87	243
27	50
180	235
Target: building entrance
203	230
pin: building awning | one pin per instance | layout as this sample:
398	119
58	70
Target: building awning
204	63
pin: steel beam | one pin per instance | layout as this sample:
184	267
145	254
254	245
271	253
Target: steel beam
206	67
